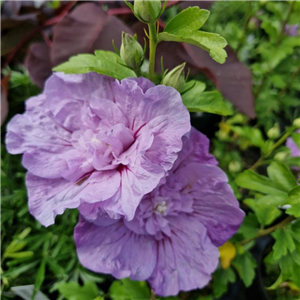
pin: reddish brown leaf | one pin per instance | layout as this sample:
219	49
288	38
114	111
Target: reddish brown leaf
201	4
38	63
4	102
84	30
233	79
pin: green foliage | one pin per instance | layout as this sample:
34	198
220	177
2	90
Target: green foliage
125	289
283	243
103	62
221	279
245	265
73	291
195	99
179	30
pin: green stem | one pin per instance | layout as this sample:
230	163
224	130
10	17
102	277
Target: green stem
269	230
275	146
152	48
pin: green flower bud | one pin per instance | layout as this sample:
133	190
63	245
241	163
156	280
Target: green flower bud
296	123
234	166
175	78
274	132
281	156
147	11
131	52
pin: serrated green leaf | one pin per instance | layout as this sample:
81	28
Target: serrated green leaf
196	100
211	42
294	201
281	176
126	289
253	181
184	28
249	227
221	279
73	291
103	62
192	18
245	265
283	243
266	208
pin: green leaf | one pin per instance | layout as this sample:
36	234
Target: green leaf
245	265
103	62
126	289
281	176
40	276
192	18
254	135
196	100
73	291
265	208
283	243
293	161
17	271
249	227
221	279
253	181
23	254
184	28
294	201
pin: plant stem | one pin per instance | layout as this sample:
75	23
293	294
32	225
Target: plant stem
269	230
152	48
276	145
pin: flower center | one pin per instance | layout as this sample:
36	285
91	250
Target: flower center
161	208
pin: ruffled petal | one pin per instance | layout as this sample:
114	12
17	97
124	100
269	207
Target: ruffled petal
185	260
115	250
214	202
66	96
50	197
195	149
36	130
44	165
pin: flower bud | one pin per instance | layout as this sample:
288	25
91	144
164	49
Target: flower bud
234	166
296	123
175	78
274	132
131	52
147	11
281	156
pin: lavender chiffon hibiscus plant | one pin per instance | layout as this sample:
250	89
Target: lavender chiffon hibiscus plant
119	147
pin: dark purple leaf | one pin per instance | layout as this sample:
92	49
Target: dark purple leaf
38	63
201	4
4	102
233	79
84	30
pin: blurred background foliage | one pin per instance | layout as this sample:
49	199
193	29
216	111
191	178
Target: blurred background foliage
260	78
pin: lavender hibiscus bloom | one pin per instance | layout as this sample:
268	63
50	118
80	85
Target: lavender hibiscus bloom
89	139
172	240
